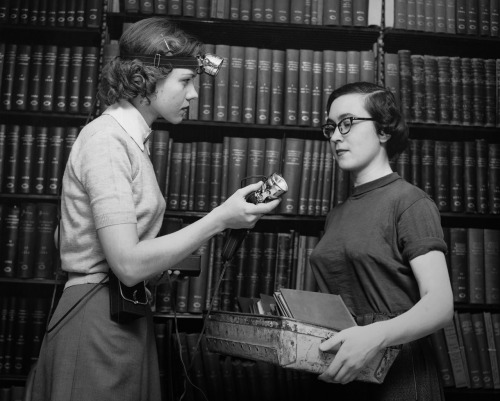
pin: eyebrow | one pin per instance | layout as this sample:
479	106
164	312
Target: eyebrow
341	117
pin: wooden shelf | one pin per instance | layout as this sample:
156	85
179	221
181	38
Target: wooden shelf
34	34
263	34
441	44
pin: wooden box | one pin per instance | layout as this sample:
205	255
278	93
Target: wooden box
282	341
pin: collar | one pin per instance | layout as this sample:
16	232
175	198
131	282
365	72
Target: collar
131	120
378	183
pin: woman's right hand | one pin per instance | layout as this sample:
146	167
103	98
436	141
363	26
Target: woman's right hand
236	212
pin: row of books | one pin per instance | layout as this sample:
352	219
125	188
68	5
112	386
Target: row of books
265	262
466	17
28	249
461	176
48	78
468	351
229	378
12	393
199	176
278	87
316	12
52	13
23	321
32	159
474	264
445	90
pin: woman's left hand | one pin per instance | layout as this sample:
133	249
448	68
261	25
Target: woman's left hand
356	347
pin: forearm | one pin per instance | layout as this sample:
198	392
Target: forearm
432	312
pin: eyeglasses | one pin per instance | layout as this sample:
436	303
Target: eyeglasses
343	125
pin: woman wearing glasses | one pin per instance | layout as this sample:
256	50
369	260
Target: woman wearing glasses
383	252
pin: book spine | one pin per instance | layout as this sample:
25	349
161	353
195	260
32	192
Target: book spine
442	175
456	90
21	78
235	98
9	69
444	90
159	157
475	264
331	12
55	157
430	89
61	79
186	173
263	95
12	145
428	160
75	74
418	88
291	86
250	84
467	90
492	348
458	264
457	180
277	87
192	177
328	76
215	175
317	111
494	178
202	179
482	346
305	82
282	11
221	84
90	70
292	170
48	78
492	266
10	232
305	176
255	160
440	16
26	159
40	160
470	183
255	242
175	176
482	196
314	183
238	156
442	359
471	349
460	375
45	226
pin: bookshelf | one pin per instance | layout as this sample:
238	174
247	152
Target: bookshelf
270	35
37	128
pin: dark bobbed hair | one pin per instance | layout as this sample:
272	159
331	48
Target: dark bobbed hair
127	79
381	105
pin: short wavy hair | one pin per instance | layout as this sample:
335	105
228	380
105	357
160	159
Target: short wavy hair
381	105
127	79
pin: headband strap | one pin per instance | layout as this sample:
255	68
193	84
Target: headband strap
159	60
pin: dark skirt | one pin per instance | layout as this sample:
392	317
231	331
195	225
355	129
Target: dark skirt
90	357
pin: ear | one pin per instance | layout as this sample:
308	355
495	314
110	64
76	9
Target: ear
383	137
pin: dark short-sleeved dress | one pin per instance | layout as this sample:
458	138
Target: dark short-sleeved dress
364	256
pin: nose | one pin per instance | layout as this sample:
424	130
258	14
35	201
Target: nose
191	93
336	136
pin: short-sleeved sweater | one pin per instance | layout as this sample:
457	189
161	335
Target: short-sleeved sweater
369	241
109	179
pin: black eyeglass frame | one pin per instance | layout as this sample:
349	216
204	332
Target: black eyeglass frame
335	126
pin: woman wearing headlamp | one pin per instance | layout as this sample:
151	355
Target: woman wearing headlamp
112	211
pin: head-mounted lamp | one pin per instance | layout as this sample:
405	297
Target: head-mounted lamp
207	63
